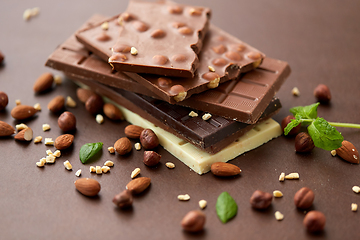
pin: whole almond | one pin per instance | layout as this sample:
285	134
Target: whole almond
4	100
43	83
138	185
123	199
148	139
21	112
87	186
261	200
64	141
222	169
151	158
193	221
123	146
56	104
24	135
84	94
133	131
94	104
67	121
112	112
304	198
6	129
348	152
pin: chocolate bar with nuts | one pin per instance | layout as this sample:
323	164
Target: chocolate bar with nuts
154	38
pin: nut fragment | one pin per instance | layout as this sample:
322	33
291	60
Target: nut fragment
49	152
40	164
137	146
277	194
46	127
292	176
356	189
70	102
260	199
67	165
170	165
27	14
57	153
202	204
67	121
286	121
37	106
206	116
38	139
133	51
354	207
193	114
148	139
21	126
295	91
333	153
109	163
304	198
111	149
99	119
322	93
314	221
282	177
304	143
105	25
279	216
98	170
92	169
185	197
105	169
135	173
56	104
49	141
348	152
78	173
123	146
211	68
87	186
151	158
50	159
193	221
58	79
18	102
123	199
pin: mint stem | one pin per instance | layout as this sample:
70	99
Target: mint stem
348	125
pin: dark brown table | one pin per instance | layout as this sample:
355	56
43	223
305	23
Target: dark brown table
319	39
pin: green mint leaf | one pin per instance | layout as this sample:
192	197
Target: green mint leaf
306	112
324	135
226	207
88	150
291	125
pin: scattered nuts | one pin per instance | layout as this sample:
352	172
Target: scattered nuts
18	102
151	158
24	135
84	94
282	177
109	163
292	176
67	165
38	139
64	141
303	143
123	146
211	69
170	165
356	189
133	51
70	102
314	221
286	121
354	207
185	197
138	185
348	152
111	149
279	216
222	169
206	116
78	173
148	139
322	93
21	112
99	119
112	112
304	198
137	146
94	104
46	127
49	141
56	104
4	100
133	131
67	121
277	194
295	91
260	199
37	106
193	221
43	83
193	114
135	173
202	204
87	186
123	199
333	153
6	129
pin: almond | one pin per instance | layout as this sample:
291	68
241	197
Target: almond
24	135
56	104
21	112
112	112
87	186
6	129
123	146
348	152
138	185
94	104
64	141
133	131
84	94
193	221
222	169
43	83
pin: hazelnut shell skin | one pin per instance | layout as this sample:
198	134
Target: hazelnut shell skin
67	121
303	143
286	121
322	93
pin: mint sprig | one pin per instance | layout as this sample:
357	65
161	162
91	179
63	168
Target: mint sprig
322	132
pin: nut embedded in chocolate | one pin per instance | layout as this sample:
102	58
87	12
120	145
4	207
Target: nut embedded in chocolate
160	59
322	93
219	49
148	139
164	82
304	198
261	200
314	221
158	33
121	48
219	62
175	9
185	31
235	56
303	143
286	121
67	121
140	26
123	199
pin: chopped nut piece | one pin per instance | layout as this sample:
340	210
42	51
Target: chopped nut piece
354	207
27	14
206	116
92	169
49	141
333	153
20	126
213	83
170	165
193	114
38	139
18	102
109	163
282	177
57	153
99	119
45	127
120	20
43	160
49	152
202	204
40	164
185	197
295	91
135	173
105	26
98	170
277	193
279	216
78	173
356	189
70	102
211	69
292	176
111	149
67	165
133	51
35	11
181	96
50	159
37	106
137	146
105	169
58	79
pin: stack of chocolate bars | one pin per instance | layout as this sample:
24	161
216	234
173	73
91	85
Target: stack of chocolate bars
207	95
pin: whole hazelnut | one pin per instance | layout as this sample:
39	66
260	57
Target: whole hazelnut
304	198
151	158
286	121
1	57
314	221
4	100
94	104
322	93
84	94
123	199
148	139
303	143
260	199
67	121
193	221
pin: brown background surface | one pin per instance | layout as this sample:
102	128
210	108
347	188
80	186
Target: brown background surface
319	39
